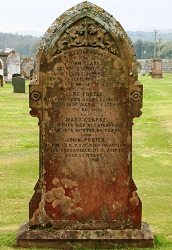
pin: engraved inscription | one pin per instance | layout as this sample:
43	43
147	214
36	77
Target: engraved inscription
79	84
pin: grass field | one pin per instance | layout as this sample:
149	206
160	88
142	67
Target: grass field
152	160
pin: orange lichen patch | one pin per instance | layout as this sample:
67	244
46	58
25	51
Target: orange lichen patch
76	195
57	197
134	200
47	118
114	179
119	207
77	211
69	183
65	203
65	171
49	196
38	216
55	181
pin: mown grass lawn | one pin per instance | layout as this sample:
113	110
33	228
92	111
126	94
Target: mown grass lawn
152	160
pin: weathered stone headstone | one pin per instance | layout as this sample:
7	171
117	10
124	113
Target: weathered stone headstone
1	73
18	84
3	58
157	68
1	68
85	98
1	81
26	67
13	65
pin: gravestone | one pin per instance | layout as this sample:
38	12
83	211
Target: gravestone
85	97
142	71
13	65
1	81
157	68
3	58
18	84
1	73
27	66
1	67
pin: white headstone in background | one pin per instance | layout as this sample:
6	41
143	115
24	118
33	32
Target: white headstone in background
13	65
1	68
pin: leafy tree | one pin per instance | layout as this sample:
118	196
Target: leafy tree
148	50
166	50
23	45
144	50
138	46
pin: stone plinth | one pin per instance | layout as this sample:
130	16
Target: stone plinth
71	239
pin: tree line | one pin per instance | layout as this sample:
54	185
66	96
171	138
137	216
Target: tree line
27	45
23	45
145	49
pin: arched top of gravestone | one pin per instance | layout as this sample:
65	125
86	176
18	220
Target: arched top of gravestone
13	57
86	24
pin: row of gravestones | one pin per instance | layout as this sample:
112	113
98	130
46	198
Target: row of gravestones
18	83
146	65
13	71
11	64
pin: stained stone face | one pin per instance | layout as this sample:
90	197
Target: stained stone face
85	98
157	68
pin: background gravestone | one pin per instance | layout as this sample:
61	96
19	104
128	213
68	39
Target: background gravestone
18	84
1	73
13	65
1	81
1	68
157	68
85	98
3	59
26	66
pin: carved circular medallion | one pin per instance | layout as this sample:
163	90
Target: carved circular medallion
136	96
35	95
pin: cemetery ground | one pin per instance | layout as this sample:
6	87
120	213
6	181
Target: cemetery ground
152	160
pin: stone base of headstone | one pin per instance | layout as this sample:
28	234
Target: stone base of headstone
69	239
142	72
157	76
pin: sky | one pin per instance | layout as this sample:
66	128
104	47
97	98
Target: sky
133	15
